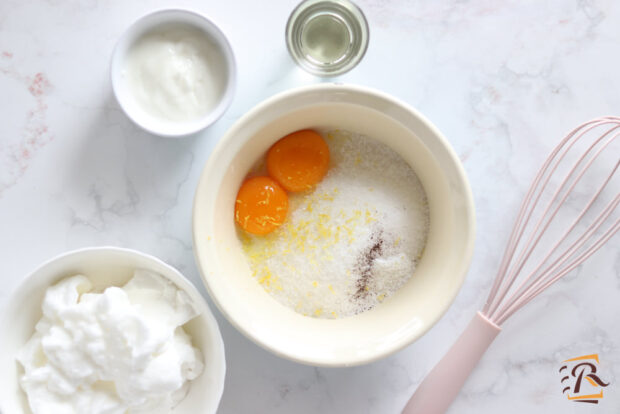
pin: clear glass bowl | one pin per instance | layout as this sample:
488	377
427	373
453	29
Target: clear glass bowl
327	37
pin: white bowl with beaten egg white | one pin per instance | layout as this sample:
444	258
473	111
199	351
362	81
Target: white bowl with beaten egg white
173	72
402	317
105	267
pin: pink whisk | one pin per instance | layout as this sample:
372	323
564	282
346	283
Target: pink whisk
515	286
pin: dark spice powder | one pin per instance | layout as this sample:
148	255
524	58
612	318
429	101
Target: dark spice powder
364	265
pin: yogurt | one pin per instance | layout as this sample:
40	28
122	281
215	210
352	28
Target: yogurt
120	351
174	73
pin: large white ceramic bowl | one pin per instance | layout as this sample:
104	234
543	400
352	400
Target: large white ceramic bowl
400	319
106	266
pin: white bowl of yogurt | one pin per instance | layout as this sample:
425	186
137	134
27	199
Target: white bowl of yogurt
173	72
78	336
402	317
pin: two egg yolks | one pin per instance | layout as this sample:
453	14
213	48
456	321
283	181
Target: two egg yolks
296	162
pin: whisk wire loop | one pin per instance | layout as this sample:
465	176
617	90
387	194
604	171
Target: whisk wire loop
498	309
567	269
522	219
520	289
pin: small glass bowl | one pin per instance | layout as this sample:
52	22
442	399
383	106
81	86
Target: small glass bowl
327	37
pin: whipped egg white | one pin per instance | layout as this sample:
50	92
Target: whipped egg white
120	351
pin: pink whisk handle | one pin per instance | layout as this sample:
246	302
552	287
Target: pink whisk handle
443	383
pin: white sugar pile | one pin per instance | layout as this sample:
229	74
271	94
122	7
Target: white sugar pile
352	241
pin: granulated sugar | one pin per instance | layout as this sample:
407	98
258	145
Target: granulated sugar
352	241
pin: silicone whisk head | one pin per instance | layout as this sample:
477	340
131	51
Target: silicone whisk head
569	212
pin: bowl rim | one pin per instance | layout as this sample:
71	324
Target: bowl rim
460	274
222	41
186	285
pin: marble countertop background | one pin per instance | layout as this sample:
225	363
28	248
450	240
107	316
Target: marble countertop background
504	81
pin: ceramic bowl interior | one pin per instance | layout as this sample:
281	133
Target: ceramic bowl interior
222	63
106	266
397	321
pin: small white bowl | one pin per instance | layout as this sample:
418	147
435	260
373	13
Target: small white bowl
401	318
225	67
106	266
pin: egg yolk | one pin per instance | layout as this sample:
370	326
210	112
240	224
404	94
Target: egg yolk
261	205
299	160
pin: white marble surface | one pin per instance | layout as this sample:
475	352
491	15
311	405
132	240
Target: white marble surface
503	81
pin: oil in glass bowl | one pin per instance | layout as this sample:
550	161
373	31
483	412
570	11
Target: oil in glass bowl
327	38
